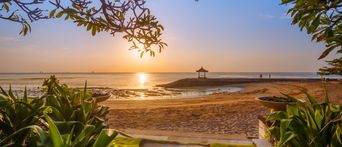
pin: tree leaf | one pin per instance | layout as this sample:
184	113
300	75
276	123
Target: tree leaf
103	139
89	26
93	31
54	133
60	14
52	13
326	52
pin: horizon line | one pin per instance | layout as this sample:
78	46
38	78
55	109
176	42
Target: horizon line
156	72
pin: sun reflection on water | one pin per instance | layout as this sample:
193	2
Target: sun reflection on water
142	78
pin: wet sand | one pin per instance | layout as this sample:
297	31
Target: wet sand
224	115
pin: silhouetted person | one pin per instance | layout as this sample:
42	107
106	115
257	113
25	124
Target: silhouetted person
260	76
269	76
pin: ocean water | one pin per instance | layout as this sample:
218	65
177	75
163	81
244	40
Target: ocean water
127	81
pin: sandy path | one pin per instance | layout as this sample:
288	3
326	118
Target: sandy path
224	114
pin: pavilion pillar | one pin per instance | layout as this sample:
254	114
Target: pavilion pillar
202	73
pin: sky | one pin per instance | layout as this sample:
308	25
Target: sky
220	35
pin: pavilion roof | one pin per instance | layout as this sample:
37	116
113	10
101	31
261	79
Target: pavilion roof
202	70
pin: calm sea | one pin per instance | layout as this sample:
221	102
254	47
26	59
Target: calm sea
128	80
135	86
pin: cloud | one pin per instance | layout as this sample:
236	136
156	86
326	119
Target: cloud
8	39
267	16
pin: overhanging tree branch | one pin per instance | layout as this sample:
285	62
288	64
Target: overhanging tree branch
126	16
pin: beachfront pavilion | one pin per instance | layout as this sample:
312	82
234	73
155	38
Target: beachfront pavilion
202	73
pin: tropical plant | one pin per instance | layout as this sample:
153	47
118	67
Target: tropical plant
19	117
61	117
74	110
318	124
81	139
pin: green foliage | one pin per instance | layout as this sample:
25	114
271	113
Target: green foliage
334	68
126	142
322	19
129	17
18	117
137	23
316	124
231	145
6	7
84	138
62	117
74	110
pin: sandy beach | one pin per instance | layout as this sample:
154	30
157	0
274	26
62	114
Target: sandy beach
223	115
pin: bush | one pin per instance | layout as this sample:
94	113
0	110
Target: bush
316	124
61	117
19	117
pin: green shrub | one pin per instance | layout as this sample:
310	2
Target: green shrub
81	139
73	109
61	117
19	116
314	124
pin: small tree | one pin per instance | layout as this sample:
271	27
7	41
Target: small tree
323	20
130	17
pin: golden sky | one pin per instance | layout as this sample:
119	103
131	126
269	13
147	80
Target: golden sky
227	36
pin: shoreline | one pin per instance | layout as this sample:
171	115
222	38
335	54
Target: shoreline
189	88
191	82
219	114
